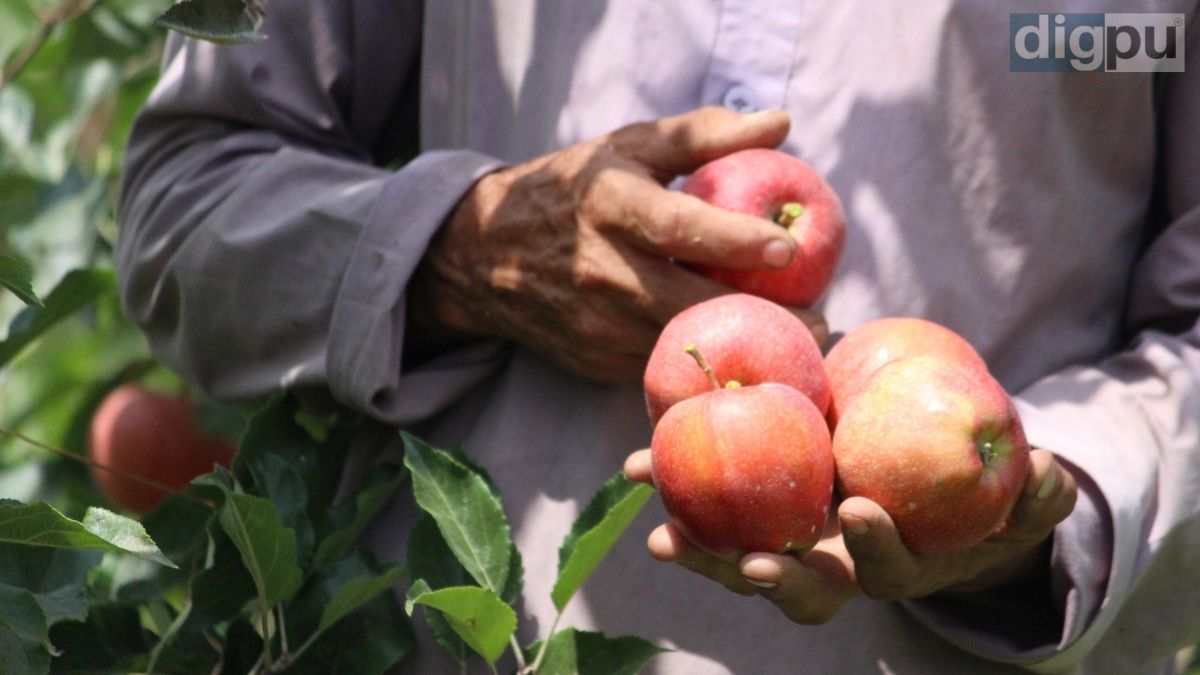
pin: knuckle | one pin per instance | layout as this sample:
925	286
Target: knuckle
668	227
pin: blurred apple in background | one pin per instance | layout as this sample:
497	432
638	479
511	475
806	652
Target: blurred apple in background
154	436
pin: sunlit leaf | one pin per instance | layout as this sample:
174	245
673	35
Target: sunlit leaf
432	561
484	621
39	524
593	534
468	514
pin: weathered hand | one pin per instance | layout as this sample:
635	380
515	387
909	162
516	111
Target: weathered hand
573	254
861	552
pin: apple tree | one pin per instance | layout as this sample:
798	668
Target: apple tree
252	568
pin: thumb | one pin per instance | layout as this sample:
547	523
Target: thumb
678	145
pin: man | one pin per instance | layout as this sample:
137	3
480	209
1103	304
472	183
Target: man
503	288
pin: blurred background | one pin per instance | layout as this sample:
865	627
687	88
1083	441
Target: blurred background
74	73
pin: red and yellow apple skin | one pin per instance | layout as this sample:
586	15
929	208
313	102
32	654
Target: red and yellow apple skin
744	339
745	469
760	182
874	344
939	447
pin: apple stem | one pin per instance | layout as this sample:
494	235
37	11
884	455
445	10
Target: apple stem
695	354
789	213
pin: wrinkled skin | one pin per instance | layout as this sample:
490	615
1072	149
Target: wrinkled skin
572	254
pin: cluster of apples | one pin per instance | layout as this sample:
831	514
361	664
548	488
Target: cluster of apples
753	427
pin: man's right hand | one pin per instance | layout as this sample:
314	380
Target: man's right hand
573	254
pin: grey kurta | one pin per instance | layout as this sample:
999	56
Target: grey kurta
1051	218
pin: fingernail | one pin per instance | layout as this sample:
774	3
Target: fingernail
1048	484
777	253
854	525
761	584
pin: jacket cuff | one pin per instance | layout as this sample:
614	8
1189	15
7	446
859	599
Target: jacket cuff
366	368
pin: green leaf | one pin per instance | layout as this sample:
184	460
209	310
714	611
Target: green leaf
593	534
220	21
347	520
484	621
24	638
468	515
432	561
125	533
17	276
55	576
358	592
279	459
107	642
575	652
223	587
268	548
21	613
40	524
372	638
77	290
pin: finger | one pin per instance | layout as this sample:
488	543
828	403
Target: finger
638	467
685	228
1047	499
677	145
882	563
805	594
667	544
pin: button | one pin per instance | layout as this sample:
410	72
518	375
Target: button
741	98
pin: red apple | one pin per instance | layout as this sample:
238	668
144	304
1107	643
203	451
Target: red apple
939	447
868	347
745	339
782	188
150	435
745	469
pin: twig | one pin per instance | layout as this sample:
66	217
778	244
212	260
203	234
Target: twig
97	465
68	11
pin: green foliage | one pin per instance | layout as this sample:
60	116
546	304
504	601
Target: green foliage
252	569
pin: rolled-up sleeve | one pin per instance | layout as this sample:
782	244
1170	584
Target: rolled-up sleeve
263	243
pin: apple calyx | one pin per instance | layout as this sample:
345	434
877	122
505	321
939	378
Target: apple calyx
991	449
789	213
694	352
